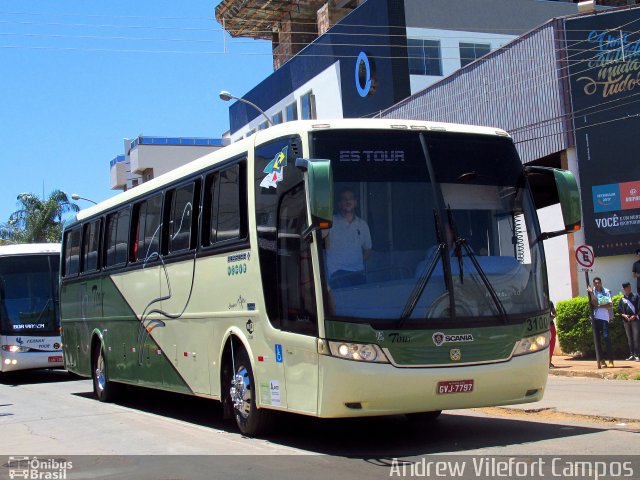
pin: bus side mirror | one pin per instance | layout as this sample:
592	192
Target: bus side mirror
552	185
320	191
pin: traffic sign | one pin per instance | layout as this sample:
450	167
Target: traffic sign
585	256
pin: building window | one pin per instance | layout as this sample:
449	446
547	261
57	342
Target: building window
277	118
425	57
263	125
292	112
308	106
472	51
147	175
250	132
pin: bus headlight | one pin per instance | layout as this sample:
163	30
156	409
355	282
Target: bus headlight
15	348
532	344
362	352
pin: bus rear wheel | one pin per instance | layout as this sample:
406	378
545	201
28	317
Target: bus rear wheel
250	419
104	390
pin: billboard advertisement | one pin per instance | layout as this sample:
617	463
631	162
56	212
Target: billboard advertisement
603	55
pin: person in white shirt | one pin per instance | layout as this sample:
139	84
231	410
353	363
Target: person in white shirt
347	244
601	304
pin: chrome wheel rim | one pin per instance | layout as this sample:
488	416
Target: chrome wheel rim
241	392
100	376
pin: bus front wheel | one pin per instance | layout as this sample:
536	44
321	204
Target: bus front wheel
251	420
103	389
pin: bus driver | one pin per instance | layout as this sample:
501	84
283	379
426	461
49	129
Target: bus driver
347	244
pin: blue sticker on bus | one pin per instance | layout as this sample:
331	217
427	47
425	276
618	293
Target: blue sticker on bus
278	353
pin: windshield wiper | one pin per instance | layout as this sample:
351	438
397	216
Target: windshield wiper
457	251
417	291
461	243
46	306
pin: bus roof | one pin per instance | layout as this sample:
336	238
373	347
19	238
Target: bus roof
29	249
262	136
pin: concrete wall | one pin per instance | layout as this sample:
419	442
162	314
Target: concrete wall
326	89
513	17
450	50
163	158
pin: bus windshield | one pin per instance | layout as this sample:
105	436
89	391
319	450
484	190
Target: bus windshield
430	229
29	294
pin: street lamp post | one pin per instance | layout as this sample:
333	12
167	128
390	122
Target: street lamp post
75	196
226	96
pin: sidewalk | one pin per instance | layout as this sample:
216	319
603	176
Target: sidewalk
568	366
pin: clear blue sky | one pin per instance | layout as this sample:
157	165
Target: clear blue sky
78	76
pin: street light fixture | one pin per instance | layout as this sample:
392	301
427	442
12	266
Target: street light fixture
226	96
75	196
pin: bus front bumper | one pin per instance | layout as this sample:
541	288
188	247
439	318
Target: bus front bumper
10	362
353	389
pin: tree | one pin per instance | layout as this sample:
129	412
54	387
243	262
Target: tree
38	220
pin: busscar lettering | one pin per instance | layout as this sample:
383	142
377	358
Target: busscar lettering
372	155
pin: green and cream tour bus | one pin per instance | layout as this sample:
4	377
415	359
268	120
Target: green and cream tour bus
29	314
212	280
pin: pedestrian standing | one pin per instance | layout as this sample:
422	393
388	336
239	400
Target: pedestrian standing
552	328
601	303
636	270
629	308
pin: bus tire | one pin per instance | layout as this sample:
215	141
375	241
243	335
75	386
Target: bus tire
423	418
251	420
104	390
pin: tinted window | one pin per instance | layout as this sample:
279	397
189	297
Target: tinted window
72	252
281	216
225	205
90	246
149	214
424	57
472	51
29	293
181	218
117	238
228	201
307	106
292	112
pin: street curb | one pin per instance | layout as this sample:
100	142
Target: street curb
581	416
605	375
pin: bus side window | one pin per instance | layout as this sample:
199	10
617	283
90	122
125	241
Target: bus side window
182	218
225	213
147	221
295	271
90	246
72	252
116	238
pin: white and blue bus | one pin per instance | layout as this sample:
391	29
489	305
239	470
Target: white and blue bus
29	310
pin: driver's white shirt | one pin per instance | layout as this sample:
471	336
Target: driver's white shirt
347	240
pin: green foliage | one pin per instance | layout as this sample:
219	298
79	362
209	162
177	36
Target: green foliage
37	220
574	328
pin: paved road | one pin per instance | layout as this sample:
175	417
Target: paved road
591	396
48	414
